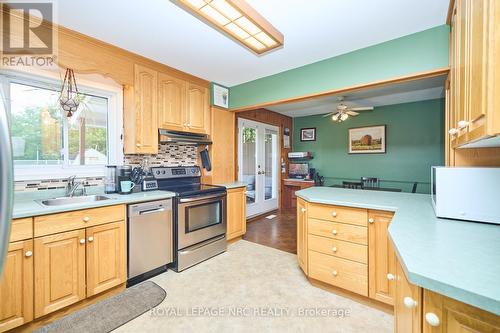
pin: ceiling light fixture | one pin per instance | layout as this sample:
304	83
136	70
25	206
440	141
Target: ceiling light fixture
238	20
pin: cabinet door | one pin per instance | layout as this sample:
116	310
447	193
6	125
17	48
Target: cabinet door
236	213
105	257
382	261
445	315
146	112
302	234
463	7
59	271
223	146
171	102
407	304
198	112
16	286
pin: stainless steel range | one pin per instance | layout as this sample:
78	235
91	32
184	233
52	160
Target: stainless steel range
199	215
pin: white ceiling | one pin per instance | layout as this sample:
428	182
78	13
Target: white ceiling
413	91
313	29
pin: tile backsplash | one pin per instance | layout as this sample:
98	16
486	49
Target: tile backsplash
168	155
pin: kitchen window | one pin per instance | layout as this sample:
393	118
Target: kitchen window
46	143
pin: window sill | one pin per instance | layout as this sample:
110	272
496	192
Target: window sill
41	173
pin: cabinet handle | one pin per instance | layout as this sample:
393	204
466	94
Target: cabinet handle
390	277
91	239
86	219
334	231
432	319
137	145
371	220
82	241
463	124
409	302
334	273
334	249
303	210
28	254
188	124
334	214
453	131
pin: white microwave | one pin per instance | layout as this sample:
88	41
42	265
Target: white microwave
471	194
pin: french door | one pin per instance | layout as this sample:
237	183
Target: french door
258	165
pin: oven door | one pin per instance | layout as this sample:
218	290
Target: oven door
201	218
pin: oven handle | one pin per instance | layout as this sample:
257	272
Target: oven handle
213	196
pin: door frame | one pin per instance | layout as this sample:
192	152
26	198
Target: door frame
262	126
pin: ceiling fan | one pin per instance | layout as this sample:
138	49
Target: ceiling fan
343	111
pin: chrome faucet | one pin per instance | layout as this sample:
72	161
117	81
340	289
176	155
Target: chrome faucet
72	186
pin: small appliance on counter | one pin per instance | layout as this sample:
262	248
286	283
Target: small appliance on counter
110	179
123	173
298	170
466	193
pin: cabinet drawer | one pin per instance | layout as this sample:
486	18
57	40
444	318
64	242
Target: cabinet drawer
51	224
21	229
345	232
341	214
338	248
339	272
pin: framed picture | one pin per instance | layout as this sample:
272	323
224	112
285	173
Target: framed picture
220	96
308	134
367	140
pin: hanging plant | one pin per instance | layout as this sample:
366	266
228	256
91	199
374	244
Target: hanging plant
69	98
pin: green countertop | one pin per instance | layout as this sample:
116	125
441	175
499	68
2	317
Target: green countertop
26	206
454	258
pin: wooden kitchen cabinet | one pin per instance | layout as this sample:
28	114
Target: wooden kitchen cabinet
59	271
198	110
407	304
141	112
16	286
445	315
223	146
171	102
106	257
382	259
302	234
236	212
475	72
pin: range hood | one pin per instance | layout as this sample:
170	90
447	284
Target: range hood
184	138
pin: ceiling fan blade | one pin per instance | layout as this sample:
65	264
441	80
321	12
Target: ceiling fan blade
362	108
330	114
352	113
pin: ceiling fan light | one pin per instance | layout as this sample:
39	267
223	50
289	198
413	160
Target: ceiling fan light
344	116
335	117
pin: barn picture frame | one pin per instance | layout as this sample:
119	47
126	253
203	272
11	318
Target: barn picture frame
367	140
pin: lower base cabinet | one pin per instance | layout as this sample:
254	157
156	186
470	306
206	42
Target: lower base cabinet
60	271
407	304
16	286
236	213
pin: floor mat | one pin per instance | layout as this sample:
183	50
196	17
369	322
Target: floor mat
111	313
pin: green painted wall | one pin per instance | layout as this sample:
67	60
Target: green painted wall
415	142
422	51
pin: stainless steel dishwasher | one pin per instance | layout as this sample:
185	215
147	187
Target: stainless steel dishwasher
150	239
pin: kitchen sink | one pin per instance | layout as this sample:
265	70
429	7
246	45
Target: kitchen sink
72	200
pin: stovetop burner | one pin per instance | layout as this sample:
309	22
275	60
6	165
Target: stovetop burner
184	181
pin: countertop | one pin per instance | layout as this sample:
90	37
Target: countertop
26	206
454	258
233	185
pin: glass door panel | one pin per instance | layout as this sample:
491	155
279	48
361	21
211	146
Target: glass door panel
249	161
271	164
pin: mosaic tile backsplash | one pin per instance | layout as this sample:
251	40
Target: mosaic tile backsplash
168	155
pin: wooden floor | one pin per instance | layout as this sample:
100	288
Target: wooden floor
279	233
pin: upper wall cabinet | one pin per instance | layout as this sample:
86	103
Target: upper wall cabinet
141	113
171	102
198	110
475	75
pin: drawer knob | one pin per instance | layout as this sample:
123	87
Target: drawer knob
432	319
82	241
334	273
303	210
91	239
334	249
138	145
463	124
28	254
86	219
334	214
390	277
409	302
334	231
371	220
453	131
